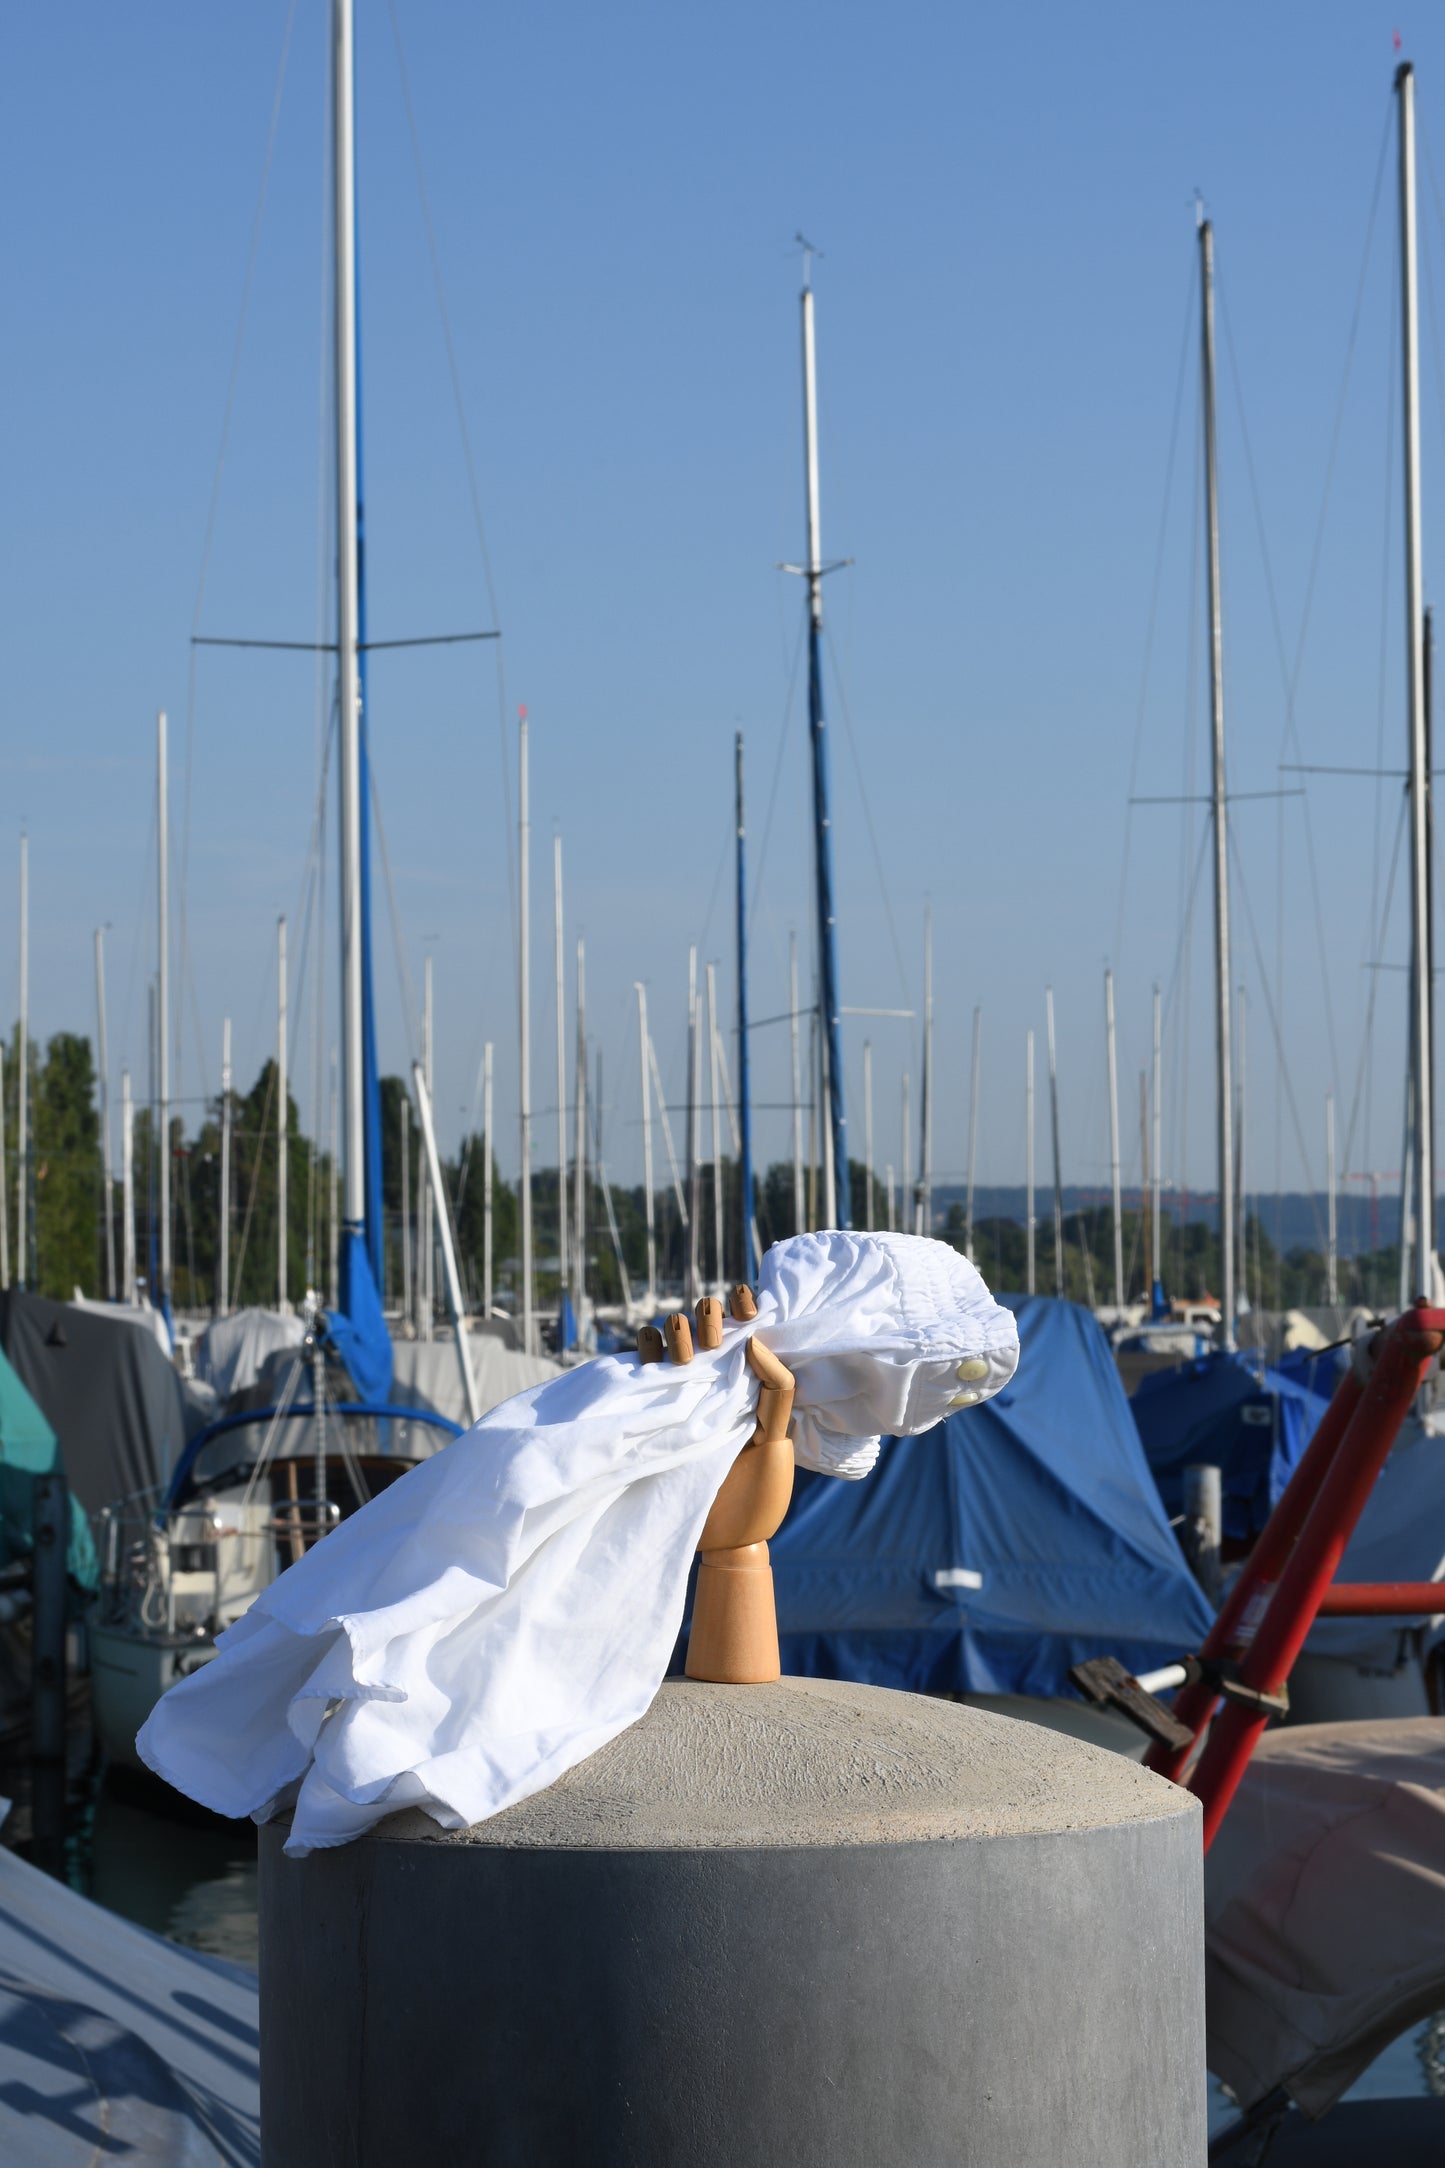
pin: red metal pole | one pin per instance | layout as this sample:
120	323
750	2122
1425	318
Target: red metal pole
1383	1599
1194	1705
1280	1633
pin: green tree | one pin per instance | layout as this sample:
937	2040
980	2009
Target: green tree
67	1169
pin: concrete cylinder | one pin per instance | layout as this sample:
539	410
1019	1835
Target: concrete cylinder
809	1923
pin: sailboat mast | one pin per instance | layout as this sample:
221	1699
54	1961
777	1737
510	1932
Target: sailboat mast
799	1220
579	1170
1157	1172
1029	1222
22	1080
835	1158
1421	1032
224	1273
127	1190
559	975
1054	1130
283	1095
161	1142
487	1163
868	1135
353	1115
745	1089
1114	1141
103	1064
923	1223
1223	1067
647	1199
524	1023
972	1131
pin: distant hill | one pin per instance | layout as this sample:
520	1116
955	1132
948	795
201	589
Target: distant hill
1293	1220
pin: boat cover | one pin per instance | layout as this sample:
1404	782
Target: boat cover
1000	1548
1252	1423
232	1350
27	1449
425	1374
509	1606
116	1405
1325	1907
116	2044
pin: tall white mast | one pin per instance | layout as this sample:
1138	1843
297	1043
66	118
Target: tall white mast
1421	991
1156	1172
905	1111
127	1189
426	1250
22	1082
1332	1268
162	1140
103	1066
867	1135
1224	1088
524	1027
1054	1128
579	1169
799	1216
223	1277
333	1217
488	1156
923	1218
717	1151
562	1279
972	1132
1114	1141
1029	1163
408	1294
283	1124
694	1132
647	1205
1240	1172
353	1109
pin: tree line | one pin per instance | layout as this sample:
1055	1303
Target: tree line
62	1248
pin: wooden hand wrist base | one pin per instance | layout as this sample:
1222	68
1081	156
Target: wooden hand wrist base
734	1638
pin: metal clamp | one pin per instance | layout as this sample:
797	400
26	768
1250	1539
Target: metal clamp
1103	1679
1230	1687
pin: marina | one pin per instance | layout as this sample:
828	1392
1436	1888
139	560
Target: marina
585	1523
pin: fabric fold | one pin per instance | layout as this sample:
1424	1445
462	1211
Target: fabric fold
511	1604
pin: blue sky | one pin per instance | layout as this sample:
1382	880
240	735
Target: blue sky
1004	199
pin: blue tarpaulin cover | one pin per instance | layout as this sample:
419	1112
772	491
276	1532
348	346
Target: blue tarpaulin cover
996	1550
1252	1423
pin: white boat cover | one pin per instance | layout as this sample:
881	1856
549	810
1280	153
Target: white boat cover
1325	1907
116	2044
231	1353
144	1314
426	1372
511	1605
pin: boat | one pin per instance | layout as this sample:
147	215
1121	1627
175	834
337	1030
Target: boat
247	1497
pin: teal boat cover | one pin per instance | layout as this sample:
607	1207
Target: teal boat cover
28	1449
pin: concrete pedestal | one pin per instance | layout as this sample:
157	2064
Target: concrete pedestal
799	1924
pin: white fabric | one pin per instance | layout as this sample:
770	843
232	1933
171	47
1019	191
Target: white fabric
511	1605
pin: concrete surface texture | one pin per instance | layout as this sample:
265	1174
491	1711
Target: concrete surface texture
810	1923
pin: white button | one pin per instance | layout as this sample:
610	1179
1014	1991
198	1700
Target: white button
975	1367
965	1400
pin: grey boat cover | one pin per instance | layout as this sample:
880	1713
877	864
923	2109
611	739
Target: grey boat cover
1324	1898
114	1402
116	2044
231	1353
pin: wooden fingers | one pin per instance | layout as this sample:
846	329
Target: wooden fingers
742	1306
678	1334
775	1400
649	1344
709	1322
